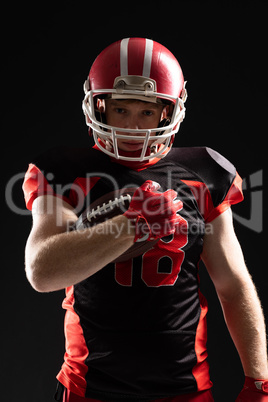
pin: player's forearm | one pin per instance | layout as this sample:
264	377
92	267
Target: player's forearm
68	258
245	321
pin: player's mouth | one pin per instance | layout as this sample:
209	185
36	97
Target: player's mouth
132	145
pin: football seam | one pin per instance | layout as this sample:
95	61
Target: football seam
109	206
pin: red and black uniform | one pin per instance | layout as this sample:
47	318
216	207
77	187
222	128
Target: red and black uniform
136	330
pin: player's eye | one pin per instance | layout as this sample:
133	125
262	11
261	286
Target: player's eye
147	112
120	110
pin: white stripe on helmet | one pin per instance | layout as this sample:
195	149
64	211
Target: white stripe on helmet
124	57
148	58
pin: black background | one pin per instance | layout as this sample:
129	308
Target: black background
46	52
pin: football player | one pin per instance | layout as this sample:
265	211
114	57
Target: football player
136	329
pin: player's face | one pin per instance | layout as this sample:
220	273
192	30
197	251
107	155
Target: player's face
133	114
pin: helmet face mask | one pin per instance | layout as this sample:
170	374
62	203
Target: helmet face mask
157	141
106	136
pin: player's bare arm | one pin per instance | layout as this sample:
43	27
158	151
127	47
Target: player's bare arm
56	259
225	263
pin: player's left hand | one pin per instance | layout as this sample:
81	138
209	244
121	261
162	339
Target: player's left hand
254	391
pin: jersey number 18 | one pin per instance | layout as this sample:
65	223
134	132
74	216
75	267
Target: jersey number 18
160	265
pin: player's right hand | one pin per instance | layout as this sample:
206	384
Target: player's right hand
254	391
154	213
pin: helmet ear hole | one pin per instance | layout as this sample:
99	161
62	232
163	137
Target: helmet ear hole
99	108
100	104
164	122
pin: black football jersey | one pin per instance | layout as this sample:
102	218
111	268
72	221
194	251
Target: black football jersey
136	330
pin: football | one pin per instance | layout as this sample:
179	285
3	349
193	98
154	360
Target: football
107	207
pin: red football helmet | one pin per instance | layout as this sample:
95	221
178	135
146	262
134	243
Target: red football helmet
135	68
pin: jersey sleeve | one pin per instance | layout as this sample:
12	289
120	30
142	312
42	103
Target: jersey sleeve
213	180
224	184
233	196
35	184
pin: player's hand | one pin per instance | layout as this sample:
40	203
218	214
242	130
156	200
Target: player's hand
154	213
254	391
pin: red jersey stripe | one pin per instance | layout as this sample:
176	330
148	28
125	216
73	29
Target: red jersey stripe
74	369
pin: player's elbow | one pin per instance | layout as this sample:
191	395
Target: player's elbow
38	267
35	278
36	273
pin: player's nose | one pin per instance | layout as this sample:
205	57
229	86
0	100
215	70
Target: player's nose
132	123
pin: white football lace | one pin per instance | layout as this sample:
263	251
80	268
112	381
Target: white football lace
109	206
